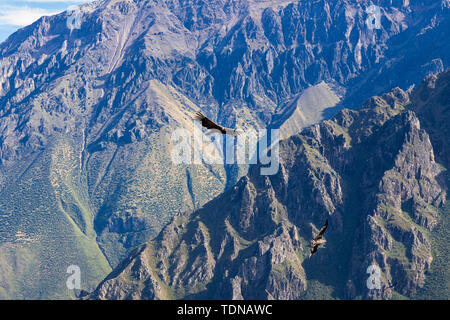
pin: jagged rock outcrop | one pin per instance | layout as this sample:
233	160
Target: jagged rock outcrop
431	104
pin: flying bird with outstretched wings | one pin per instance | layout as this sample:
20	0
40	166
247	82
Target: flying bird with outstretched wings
210	125
318	240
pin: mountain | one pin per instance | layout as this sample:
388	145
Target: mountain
371	172
87	114
304	110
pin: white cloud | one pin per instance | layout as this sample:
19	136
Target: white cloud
22	16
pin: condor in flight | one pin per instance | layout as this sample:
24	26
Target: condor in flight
208	124
317	241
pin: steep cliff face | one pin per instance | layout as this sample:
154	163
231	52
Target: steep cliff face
399	208
431	104
86	115
371	172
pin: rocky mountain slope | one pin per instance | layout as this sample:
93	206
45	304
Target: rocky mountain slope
372	173
86	115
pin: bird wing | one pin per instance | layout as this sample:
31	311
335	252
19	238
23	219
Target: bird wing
322	231
207	123
313	250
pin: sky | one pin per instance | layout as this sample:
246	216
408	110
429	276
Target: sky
15	14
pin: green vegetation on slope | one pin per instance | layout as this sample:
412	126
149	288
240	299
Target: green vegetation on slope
437	283
45	226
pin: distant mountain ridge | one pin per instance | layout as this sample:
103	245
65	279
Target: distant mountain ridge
86	115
